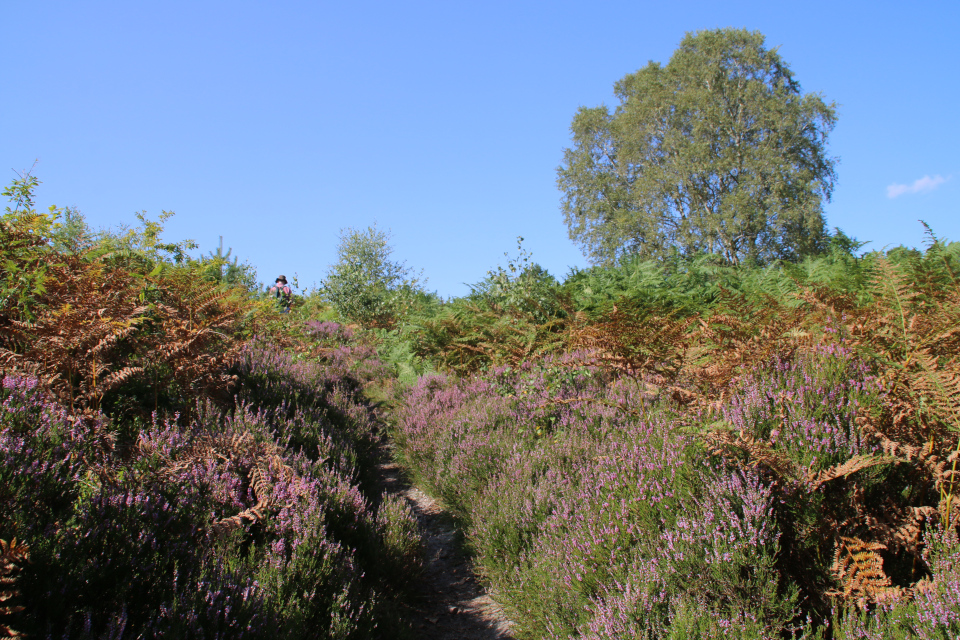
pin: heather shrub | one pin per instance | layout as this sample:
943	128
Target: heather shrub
248	523
564	480
41	454
118	554
799	420
600	508
508	515
402	559
806	407
719	559
315	405
607	505
458	435
121	539
328	333
217	602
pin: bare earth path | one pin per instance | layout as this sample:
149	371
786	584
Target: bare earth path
450	603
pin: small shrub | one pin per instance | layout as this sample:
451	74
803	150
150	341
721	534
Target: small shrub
402	544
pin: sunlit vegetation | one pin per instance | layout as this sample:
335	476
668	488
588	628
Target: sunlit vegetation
735	424
167	473
659	448
684	448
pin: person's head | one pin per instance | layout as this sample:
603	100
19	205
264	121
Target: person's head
282	279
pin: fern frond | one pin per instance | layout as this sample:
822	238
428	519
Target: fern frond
858	567
755	453
11	556
851	466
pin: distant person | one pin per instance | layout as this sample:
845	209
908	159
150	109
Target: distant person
282	292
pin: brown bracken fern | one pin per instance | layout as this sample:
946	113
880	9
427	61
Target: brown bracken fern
96	328
259	460
12	555
858	568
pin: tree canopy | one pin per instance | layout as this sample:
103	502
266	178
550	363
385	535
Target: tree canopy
719	151
365	285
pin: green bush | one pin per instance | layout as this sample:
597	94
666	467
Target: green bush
365	286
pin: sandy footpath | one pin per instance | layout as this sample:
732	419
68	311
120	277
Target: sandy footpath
450	603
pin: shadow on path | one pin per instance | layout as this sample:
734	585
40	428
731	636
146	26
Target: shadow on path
450	603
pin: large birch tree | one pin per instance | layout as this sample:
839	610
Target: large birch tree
719	151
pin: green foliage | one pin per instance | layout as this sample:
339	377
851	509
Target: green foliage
313	306
365	286
717	152
142	248
119	321
468	336
217	267
24	249
515	312
691	284
523	288
72	235
403	548
397	348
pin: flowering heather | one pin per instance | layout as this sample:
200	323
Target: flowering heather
597	512
806	407
313	400
244	525
328	332
41	454
460	434
552	474
608	504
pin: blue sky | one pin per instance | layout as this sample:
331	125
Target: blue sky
277	124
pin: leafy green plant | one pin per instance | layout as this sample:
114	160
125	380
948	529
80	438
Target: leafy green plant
217	267
522	287
364	285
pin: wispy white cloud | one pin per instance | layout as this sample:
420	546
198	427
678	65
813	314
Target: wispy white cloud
920	185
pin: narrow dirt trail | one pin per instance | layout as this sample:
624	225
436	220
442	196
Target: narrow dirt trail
450	603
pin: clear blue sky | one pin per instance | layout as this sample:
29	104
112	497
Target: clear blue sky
277	124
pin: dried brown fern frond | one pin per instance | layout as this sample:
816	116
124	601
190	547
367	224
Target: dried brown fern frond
269	465
753	453
76	337
476	335
118	378
858	567
937	382
260	460
910	331
12	555
902	528
743	333
857	463
923	456
632	341
824	301
261	491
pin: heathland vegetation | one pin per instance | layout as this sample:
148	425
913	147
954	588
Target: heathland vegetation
166	470
758	441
